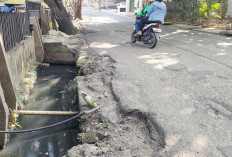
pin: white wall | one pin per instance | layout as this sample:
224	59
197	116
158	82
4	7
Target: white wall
127	6
229	11
138	5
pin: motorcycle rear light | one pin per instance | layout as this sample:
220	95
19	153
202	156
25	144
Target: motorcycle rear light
157	25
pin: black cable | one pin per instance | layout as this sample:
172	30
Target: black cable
52	125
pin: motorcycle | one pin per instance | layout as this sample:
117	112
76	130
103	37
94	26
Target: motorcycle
150	35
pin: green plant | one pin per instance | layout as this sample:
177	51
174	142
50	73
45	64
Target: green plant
105	125
121	148
35	65
212	8
14	124
20	96
92	103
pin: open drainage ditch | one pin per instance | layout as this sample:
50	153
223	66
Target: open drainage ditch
54	90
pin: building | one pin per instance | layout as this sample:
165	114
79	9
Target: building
11	5
135	6
15	3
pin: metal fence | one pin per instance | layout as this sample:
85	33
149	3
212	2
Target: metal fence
14	27
180	11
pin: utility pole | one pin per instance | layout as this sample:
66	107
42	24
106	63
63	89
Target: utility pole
99	4
107	4
27	5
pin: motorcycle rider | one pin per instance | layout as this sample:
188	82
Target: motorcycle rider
139	15
156	13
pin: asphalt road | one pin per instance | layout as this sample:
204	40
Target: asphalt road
184	84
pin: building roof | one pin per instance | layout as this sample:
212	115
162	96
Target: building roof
15	2
36	1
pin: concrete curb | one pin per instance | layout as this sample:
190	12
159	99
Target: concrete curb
201	29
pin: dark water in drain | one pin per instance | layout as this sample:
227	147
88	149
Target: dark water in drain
54	90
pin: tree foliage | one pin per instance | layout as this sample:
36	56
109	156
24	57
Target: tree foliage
194	10
214	9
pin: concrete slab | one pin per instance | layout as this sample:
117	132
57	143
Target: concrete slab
37	34
6	78
20	59
4	113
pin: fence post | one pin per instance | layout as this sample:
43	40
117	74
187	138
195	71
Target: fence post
37	35
4	113
44	21
175	10
5	79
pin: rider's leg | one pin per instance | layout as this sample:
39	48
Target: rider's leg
144	21
137	22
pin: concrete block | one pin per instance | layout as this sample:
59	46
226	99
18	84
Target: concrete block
60	48
37	34
4	113
57	53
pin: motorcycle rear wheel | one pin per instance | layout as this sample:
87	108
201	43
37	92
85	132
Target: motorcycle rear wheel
153	41
133	40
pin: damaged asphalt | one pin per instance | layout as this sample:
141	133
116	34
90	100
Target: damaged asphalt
182	87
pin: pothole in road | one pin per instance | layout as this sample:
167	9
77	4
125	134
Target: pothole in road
129	133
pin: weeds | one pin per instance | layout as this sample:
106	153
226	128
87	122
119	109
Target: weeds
92	105
27	83
121	148
14	124
105	125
